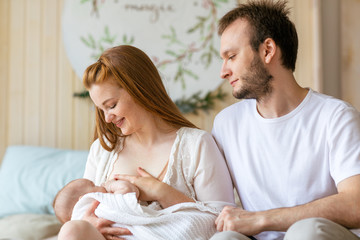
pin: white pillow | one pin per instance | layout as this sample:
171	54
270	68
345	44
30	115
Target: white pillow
31	176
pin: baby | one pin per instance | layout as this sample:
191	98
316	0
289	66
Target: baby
188	220
69	195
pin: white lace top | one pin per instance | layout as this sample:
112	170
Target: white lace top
196	168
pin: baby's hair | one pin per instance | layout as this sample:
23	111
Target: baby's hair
67	197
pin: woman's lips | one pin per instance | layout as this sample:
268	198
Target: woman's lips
120	122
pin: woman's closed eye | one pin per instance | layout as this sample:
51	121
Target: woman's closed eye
112	107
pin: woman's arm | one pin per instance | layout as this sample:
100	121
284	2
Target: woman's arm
212	181
92	161
102	225
151	189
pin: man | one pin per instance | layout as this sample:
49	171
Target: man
293	153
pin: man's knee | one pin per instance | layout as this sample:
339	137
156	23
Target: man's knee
319	229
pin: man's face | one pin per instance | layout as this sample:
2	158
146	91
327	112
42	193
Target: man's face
242	66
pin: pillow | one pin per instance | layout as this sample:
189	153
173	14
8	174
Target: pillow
29	226
31	176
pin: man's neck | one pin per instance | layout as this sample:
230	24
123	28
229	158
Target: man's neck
286	95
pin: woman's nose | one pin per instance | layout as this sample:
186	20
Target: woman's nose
108	117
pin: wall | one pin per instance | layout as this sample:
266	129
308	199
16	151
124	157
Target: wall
37	81
350	52
37	107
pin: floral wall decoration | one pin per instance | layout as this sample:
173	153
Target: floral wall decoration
180	36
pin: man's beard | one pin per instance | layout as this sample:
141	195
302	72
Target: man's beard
256	81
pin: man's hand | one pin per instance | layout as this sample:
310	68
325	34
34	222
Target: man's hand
342	208
103	225
239	220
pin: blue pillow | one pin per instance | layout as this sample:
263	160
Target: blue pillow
31	176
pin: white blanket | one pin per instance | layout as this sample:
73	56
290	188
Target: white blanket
182	221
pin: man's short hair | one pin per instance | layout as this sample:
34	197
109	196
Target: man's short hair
267	19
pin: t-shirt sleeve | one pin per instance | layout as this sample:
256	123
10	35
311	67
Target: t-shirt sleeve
216	135
344	144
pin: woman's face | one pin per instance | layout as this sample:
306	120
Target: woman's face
118	106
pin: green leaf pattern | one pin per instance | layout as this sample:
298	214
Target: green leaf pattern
205	27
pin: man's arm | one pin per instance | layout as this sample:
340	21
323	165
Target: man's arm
342	208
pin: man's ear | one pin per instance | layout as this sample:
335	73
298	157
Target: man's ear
269	50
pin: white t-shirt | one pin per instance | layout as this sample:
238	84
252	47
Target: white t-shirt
196	168
290	160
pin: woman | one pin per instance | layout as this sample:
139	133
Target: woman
141	137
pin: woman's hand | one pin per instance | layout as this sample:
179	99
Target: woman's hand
151	189
103	225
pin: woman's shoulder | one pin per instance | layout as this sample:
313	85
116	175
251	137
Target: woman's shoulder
96	146
97	149
191	132
194	135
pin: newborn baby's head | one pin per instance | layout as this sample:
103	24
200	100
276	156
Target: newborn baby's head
67	197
